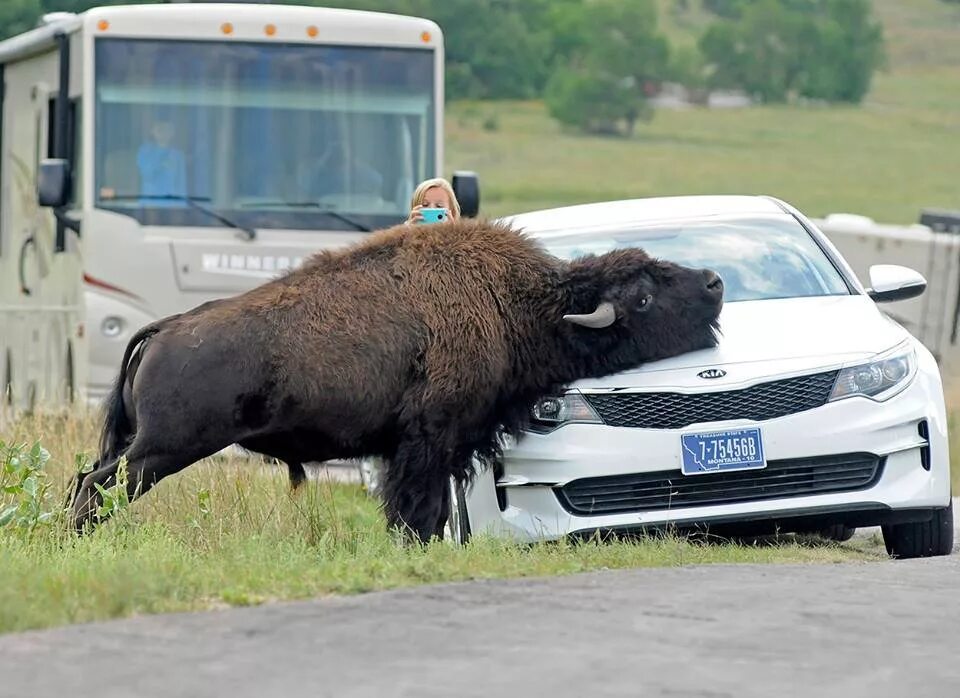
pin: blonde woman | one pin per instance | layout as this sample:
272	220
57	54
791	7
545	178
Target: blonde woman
433	193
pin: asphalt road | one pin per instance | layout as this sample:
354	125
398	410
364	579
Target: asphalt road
865	629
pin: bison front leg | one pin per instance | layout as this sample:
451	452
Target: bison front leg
414	489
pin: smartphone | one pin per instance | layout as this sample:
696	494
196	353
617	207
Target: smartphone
433	215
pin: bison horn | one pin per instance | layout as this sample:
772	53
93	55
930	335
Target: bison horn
602	317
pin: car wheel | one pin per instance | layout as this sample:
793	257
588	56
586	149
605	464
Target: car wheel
457	528
8	382
921	538
71	387
370	475
837	532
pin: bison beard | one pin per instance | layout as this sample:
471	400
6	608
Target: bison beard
419	345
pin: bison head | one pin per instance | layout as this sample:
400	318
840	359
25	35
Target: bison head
627	308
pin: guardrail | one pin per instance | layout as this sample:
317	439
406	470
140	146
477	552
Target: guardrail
931	247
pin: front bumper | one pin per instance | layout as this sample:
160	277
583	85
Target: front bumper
540	464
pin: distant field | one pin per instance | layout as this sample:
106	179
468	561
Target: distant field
887	159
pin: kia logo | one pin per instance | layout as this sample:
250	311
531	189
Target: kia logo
712	373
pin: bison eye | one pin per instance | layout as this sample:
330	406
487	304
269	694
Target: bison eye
644	303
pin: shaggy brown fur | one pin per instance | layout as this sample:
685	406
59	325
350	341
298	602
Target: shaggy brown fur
419	345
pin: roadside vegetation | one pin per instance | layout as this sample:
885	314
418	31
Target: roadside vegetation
227	532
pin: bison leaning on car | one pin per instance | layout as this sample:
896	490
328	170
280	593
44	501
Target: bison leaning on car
420	345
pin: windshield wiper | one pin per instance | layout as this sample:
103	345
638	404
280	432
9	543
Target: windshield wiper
250	233
312	204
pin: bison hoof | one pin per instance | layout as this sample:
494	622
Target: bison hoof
85	508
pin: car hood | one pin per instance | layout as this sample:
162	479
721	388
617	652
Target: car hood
773	337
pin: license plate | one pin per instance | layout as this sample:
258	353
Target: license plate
722	451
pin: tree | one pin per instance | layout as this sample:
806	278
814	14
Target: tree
723	8
18	16
618	57
594	103
495	44
842	53
776	49
759	52
494	48
688	68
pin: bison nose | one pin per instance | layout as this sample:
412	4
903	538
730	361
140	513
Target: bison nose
713	282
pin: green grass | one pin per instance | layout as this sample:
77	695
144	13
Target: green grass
954	455
888	158
230	533
953	430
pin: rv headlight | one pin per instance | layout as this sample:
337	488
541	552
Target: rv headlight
556	410
880	379
112	326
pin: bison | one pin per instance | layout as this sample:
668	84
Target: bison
420	345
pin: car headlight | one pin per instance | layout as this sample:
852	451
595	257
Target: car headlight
879	379
551	412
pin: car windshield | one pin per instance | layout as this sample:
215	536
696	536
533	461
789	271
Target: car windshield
266	135
758	258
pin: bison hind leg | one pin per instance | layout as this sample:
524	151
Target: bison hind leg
297	475
75	485
144	471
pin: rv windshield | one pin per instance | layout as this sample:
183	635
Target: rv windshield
270	136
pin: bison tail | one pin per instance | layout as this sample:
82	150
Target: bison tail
117	429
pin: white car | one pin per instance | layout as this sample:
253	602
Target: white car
816	412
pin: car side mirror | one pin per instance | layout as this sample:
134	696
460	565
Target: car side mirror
466	186
53	183
891	282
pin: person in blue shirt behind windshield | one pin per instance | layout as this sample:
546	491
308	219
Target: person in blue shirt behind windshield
162	167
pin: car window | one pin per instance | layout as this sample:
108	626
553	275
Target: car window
757	258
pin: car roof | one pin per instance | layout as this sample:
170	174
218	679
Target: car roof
607	214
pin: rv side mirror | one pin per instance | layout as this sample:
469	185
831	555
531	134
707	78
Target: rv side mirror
53	183
466	186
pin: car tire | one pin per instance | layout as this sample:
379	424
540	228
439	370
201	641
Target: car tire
71	388
457	528
370	473
839	533
8	382
921	538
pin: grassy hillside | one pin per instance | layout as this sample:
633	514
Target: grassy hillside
920	33
888	158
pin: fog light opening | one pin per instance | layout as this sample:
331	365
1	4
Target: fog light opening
501	491
923	429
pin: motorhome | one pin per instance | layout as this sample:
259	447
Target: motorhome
155	157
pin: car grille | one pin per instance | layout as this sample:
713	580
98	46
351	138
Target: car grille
676	410
672	490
